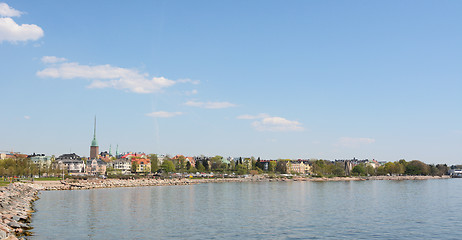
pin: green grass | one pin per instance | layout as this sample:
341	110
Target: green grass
4	183
48	179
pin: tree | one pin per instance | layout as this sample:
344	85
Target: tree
272	166
339	169
416	167
134	166
168	166
359	170
200	167
241	169
216	162
180	163
281	166
370	170
154	163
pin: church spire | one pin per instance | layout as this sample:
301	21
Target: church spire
94	143
94	133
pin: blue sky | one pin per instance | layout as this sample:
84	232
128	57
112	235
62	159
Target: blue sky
271	79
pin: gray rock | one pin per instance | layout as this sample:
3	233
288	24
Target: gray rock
14	224
2	234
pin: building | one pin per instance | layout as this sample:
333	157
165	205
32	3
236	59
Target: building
71	162
94	148
95	167
122	165
40	160
142	164
191	161
299	166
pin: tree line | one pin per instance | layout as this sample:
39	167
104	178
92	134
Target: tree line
24	167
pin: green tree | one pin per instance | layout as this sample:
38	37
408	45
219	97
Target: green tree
216	162
200	167
168	166
370	170
416	167
281	166
154	163
134	166
339	169
241	169
272	166
359	169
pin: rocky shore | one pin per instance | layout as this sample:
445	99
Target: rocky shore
112	183
16	208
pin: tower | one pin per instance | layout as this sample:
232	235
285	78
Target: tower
94	148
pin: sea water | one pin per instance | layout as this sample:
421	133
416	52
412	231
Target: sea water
409	209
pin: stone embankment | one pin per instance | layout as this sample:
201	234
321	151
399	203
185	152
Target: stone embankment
143	182
396	178
16	208
113	183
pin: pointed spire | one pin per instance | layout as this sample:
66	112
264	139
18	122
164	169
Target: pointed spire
94	133
94	143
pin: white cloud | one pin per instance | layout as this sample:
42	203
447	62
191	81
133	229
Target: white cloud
162	114
106	76
192	92
267	123
12	32
354	142
7	11
27	117
252	117
210	105
277	124
52	59
195	82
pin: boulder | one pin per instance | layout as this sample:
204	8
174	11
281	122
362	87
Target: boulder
14	224
2	234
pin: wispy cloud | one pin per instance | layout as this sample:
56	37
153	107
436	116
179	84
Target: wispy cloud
210	105
162	114
195	82
107	76
52	59
253	117
192	92
27	117
267	123
13	32
354	142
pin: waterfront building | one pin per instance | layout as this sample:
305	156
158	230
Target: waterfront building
71	162
40	160
122	165
94	148
299	166
142	164
95	167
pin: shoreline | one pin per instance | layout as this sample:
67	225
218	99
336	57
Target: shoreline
16	199
144	182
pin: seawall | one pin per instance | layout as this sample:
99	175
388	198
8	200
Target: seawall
16	208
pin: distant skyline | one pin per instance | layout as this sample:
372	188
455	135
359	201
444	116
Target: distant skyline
269	79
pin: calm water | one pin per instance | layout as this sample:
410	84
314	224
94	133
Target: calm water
429	209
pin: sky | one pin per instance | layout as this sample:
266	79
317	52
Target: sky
272	79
